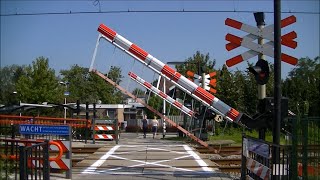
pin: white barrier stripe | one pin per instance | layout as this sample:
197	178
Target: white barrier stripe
66	162
256	168
54	165
264	173
99	162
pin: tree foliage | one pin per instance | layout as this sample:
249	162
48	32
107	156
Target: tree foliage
9	76
303	85
39	84
88	87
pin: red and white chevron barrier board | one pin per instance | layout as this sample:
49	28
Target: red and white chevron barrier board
65	145
105	136
166	71
104	128
255	33
161	94
259	169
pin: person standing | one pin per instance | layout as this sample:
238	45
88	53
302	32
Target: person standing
144	126
154	126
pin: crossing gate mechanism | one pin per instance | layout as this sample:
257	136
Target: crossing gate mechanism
180	81
106	130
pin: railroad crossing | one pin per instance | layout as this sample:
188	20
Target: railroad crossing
136	157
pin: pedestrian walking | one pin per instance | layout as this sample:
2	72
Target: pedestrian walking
144	126
154	126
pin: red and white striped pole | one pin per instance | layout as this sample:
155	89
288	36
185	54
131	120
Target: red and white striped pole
161	94
175	77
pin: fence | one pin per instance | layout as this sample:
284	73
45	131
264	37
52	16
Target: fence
10	124
299	158
18	161
306	146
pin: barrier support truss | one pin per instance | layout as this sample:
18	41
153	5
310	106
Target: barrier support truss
124	91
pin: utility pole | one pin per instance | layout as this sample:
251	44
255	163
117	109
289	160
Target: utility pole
259	17
277	80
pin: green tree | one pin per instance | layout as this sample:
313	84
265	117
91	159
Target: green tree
138	92
9	76
198	62
39	84
88	87
303	84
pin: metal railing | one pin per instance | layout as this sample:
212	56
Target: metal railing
20	161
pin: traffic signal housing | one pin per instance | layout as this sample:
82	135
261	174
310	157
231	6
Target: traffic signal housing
260	71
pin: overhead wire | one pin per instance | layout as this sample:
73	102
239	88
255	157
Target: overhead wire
151	11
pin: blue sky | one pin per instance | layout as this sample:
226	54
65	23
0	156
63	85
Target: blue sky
70	39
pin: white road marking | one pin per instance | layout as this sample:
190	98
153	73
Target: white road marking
99	162
111	153
198	159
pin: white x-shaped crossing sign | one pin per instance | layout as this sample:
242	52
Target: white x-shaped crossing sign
256	49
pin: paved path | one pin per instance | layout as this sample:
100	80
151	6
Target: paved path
141	158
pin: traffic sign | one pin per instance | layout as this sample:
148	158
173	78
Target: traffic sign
44	129
256	49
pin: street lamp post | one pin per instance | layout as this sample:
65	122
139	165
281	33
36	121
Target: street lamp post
66	93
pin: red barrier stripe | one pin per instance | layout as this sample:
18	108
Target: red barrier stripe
168	71
233	23
234	39
176	77
109	33
289	59
204	95
148	85
137	51
287	21
287	39
289	36
162	94
178	104
290	43
233	114
233	61
231	46
131	74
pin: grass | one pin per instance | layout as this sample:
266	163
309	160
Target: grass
234	134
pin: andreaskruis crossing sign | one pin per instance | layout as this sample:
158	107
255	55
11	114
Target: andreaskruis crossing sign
256	49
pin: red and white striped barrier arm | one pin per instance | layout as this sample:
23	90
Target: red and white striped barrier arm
161	94
164	70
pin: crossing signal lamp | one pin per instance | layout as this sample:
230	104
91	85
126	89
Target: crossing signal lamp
260	71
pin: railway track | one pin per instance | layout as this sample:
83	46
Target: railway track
226	165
